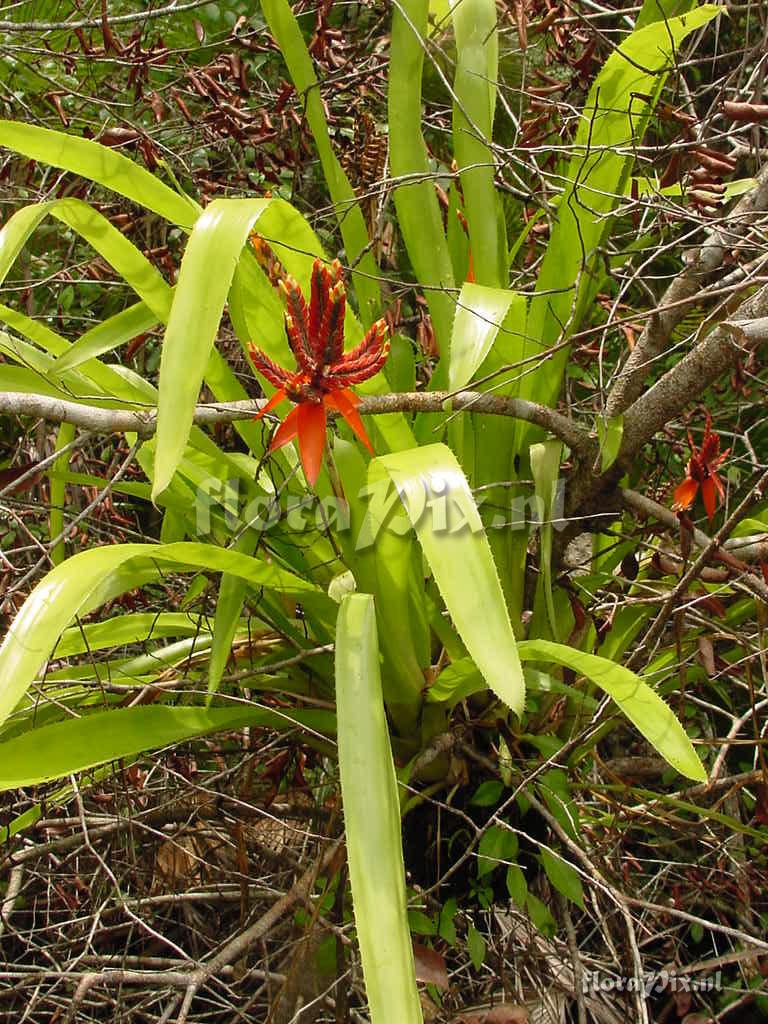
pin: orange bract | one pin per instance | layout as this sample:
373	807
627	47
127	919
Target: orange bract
702	473
324	372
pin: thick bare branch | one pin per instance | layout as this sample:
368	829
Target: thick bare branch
143	423
699	270
702	366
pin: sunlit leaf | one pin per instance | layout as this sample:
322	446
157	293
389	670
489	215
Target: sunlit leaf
101	164
80	743
372	819
479	316
642	705
613	120
610	433
477	46
443	513
216	241
93	577
418	212
286	31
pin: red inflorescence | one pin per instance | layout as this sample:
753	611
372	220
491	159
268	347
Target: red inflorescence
324	371
702	473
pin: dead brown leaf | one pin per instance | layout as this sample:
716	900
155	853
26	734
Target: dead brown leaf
430	966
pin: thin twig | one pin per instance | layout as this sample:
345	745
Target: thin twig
238	946
119	19
699	269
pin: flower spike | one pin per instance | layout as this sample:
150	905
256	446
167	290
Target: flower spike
324	372
276	375
297	323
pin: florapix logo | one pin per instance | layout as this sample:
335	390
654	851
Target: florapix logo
237	504
649	983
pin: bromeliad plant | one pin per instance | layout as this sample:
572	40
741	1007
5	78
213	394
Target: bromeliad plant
438	599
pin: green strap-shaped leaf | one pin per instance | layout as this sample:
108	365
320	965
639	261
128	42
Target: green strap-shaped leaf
109	335
637	700
207	268
76	744
479	317
372	819
232	591
443	513
642	705
418	211
477	47
137	627
389	575
483	332
90	578
107	381
132	265
609	433
98	163
545	466
65	435
613	121
285	29
27	380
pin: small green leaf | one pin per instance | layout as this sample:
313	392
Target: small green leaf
459	680
475	947
540	916
488	793
420	923
517	887
563	876
496	846
447	926
609	433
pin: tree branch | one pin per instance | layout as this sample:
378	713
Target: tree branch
689	378
144	423
119	19
682	291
